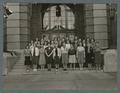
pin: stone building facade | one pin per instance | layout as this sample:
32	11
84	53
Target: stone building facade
91	20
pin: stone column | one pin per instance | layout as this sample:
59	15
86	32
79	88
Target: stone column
89	22
79	20
18	26
100	24
36	21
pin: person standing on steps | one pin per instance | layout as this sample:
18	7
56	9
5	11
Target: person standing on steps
57	56
27	61
49	56
35	56
64	52
72	57
42	60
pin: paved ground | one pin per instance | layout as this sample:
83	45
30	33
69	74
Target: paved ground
69	80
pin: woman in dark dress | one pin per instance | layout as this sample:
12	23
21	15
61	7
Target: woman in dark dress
49	56
89	55
98	60
57	56
72	57
27	62
93	53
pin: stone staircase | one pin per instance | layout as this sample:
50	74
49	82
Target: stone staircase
19	67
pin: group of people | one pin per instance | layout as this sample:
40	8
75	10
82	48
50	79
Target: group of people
62	52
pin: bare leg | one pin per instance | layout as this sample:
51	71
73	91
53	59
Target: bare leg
70	66
74	66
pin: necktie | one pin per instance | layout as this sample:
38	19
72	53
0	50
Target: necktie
34	52
56	51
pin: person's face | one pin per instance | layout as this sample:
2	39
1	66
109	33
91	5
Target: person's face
48	45
97	44
31	41
79	39
67	42
76	37
36	39
71	46
83	41
92	40
27	47
56	45
80	44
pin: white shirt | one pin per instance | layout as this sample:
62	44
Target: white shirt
58	50
64	50
68	46
80	49
37	52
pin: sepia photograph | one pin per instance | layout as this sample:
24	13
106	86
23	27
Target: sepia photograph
60	46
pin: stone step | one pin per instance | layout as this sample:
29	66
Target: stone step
18	67
18	70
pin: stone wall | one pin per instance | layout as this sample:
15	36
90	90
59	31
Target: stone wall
18	26
96	23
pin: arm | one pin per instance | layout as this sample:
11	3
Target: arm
60	53
77	53
51	53
46	52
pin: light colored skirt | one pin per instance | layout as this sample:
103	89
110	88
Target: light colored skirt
64	58
72	59
42	60
80	58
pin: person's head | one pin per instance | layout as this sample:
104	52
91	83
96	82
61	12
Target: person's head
45	43
63	44
56	45
83	41
76	37
79	40
49	44
34	44
36	39
42	46
80	44
52	42
68	42
71	46
92	40
31	42
27	47
88	40
97	43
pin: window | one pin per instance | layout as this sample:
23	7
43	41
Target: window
65	21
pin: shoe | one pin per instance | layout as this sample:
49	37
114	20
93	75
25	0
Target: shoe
49	69
65	69
27	70
35	70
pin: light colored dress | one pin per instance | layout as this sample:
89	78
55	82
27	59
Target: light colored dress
64	52
80	55
72	55
42	60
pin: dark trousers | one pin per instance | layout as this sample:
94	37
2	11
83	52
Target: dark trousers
35	60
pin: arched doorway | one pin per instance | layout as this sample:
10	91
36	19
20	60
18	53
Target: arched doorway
58	21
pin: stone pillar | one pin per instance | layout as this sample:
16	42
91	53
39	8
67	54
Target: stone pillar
18	26
110	61
89	22
79	20
36	21
100	24
96	23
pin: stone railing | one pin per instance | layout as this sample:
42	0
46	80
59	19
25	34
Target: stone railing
9	61
110	60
